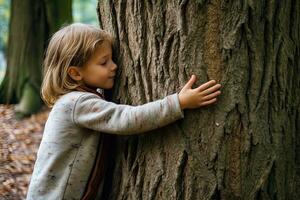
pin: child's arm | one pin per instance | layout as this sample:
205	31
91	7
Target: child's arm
95	113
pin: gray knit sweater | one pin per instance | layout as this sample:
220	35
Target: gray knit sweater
69	145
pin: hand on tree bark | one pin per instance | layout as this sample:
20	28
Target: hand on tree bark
203	95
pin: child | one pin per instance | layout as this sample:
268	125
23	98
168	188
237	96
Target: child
78	62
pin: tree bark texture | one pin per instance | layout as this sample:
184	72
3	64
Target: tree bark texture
244	147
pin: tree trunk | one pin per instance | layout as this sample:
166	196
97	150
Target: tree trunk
25	47
244	147
32	21
58	13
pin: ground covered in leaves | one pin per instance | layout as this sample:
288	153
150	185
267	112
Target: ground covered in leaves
19	142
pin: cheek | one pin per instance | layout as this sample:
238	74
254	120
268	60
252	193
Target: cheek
99	72
103	75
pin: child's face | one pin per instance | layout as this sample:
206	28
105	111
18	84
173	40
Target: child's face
100	70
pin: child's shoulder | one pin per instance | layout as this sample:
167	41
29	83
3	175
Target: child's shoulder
73	96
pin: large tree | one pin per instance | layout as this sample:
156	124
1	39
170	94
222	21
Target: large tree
244	147
31	23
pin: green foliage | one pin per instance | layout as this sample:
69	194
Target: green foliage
85	11
4	20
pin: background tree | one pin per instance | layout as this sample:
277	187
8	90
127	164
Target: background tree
247	145
31	23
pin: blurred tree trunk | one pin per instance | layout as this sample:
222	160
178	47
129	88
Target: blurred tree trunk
58	13
244	147
31	23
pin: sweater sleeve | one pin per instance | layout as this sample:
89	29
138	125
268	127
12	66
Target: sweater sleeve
90	111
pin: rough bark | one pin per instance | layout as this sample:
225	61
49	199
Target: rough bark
31	23
244	147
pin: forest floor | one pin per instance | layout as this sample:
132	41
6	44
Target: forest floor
19	142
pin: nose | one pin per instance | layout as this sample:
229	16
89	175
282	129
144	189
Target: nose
114	66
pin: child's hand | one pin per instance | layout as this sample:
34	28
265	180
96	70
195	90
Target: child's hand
203	95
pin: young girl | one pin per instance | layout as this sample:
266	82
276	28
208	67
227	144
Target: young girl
78	63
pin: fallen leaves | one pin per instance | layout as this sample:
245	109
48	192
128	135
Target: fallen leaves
19	142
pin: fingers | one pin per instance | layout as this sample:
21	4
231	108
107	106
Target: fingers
190	83
211	89
206	85
208	102
211	96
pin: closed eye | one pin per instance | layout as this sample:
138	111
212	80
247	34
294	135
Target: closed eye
103	63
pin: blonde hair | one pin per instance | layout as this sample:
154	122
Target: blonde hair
72	45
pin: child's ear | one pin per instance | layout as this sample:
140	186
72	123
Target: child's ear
74	73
